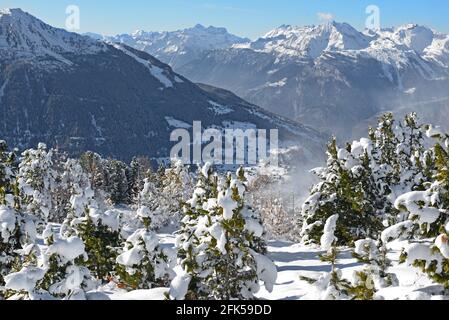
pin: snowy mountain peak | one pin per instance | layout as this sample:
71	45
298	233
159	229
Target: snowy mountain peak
139	33
311	41
343	28
179	47
13	13
22	34
329	25
14	17
210	30
392	46
8	11
409	26
414	36
199	26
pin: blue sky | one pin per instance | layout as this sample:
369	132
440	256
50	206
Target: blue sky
250	18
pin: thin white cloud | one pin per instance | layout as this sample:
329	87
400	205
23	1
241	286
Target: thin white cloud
325	16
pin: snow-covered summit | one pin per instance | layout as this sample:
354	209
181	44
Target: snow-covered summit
181	46
393	46
313	41
438	51
310	41
411	44
426	42
413	36
22	34
199	36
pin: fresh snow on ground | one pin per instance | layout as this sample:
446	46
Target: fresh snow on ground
140	295
294	261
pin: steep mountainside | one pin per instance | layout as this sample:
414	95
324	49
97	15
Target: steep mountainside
80	94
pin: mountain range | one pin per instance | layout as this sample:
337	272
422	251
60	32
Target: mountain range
76	93
179	47
331	76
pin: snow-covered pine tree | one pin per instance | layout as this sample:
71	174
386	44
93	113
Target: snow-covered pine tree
385	143
100	232
164	194
59	196
150	200
140	169
217	243
347	188
15	231
144	264
77	184
362	181
319	206
37	181
330	286
427	226
53	271
410	153
93	165
253	219
117	182
16	228
72	181
374	276
385	165
8	172
177	187
98	228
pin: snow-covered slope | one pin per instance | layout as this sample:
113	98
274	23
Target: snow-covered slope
70	91
22	34
413	36
294	261
178	47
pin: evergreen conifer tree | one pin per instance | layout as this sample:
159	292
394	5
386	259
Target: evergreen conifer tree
98	229
144	264
37	181
330	286
347	188
374	275
101	235
427	225
17	229
53	271
217	244
140	169
117	182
